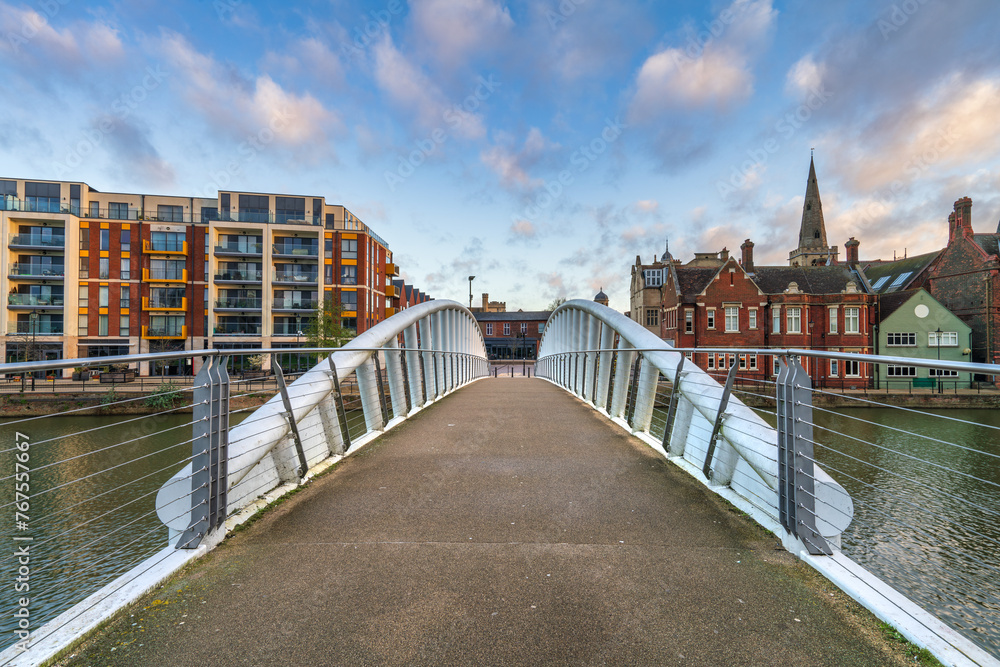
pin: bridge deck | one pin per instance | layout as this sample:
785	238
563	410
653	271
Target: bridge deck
507	524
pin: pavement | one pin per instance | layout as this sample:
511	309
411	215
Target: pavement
508	524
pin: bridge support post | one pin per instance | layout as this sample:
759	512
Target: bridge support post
623	367
724	458
411	342
590	369
303	466
427	360
605	358
370	403
645	397
796	471
210	453
394	373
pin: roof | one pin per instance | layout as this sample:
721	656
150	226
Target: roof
890	303
692	281
810	279
513	316
601	295
990	243
898	275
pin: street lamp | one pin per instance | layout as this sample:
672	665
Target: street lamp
471	278
938	370
33	318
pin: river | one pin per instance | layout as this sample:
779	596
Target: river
930	530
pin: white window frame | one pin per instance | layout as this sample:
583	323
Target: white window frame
524	327
711	362
506	328
489	328
852	368
710	318
752	318
732	319
834	316
775	365
743	362
852	320
793	320
898	371
752	362
732	361
776	319
948	339
834	368
901	339
940	372
688	320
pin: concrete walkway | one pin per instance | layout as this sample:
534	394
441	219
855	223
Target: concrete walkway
506	525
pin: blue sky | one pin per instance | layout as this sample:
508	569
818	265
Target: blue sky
537	145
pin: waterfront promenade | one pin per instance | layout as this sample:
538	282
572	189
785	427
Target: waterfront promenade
506	524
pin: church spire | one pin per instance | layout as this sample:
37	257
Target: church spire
813	249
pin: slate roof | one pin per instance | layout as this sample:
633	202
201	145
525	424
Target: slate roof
890	303
990	243
810	279
692	281
889	273
518	316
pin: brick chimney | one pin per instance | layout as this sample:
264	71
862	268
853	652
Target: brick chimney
486	302
963	217
724	255
747	261
852	251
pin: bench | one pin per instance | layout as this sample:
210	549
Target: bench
926	383
117	377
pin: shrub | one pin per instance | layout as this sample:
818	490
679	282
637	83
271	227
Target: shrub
164	396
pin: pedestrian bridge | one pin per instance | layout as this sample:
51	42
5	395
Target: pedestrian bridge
591	514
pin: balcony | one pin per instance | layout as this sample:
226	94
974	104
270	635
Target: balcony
239	277
164	304
112	213
239	304
390	311
295	278
391	291
33	205
249	250
15	300
20	271
164	247
165	333
290	250
391	269
164	276
36	242
237	329
37	328
295	304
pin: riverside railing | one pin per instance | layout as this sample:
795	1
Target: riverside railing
98	494
777	463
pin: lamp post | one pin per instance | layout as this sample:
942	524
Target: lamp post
471	278
33	318
298	360
938	370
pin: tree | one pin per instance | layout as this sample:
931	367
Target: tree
325	328
558	301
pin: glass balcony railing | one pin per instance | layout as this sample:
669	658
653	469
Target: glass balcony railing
240	304
113	213
290	329
240	276
158	303
168	247
295	304
35	300
37	241
32	204
237	329
245	249
37	270
295	277
295	250
165	275
37	328
171	332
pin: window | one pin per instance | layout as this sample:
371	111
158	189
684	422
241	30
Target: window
166	213
852	320
349	300
654	277
123	325
878	283
652	317
506	328
123	301
947	339
938	373
753	362
710	318
102	325
732	360
85	238
688	321
166	269
524	327
775	366
126	241
752	318
894	371
126	269
833	317
102	296
208	214
84	267
118	211
541	327
349	275
104	267
901	339
732	318
489	328
834	368
775	319
743	362
852	368
793	320
711	362
105	239
898	282
167	241
82	325
348	248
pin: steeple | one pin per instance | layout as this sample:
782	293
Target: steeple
813	249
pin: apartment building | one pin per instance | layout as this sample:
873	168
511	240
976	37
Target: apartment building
91	273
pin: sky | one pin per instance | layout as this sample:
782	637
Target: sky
540	146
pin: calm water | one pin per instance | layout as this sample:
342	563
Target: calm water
930	529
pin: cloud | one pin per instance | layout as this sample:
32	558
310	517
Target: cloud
710	71
241	106
523	230
647	206
804	77
512	165
455	31
308	57
472	260
134	156
30	37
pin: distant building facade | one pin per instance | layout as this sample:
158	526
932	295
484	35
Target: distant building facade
512	335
